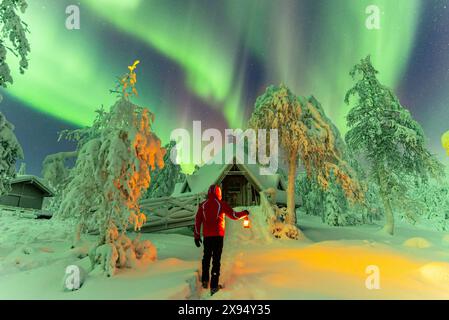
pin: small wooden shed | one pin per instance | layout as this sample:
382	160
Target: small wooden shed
27	191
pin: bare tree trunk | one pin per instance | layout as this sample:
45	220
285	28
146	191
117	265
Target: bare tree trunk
292	164
389	216
77	237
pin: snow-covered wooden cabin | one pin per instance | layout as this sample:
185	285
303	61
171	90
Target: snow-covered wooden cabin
27	191
240	182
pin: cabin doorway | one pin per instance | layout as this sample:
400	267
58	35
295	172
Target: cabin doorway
237	191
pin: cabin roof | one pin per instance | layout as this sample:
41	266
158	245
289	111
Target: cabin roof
46	190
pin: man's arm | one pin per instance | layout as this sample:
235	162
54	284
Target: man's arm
231	213
198	222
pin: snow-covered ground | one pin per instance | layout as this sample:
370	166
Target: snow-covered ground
330	264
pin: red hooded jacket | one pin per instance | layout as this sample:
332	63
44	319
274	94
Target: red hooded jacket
211	214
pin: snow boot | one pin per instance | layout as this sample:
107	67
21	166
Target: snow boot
215	290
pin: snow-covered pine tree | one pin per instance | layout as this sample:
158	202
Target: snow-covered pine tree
426	203
335	209
57	175
304	135
330	203
311	194
12	38
110	175
54	168
10	152
391	142
434	200
370	209
163	180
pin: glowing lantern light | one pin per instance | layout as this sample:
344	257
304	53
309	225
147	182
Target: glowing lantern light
246	223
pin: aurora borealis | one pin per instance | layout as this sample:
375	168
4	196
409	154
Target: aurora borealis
209	60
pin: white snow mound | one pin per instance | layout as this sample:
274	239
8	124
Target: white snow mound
417	243
437	273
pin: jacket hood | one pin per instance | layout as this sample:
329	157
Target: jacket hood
211	193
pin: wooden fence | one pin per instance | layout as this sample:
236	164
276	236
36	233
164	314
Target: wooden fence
170	212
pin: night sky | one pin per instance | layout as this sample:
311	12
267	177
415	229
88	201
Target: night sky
208	60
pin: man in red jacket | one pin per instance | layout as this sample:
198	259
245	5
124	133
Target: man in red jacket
211	214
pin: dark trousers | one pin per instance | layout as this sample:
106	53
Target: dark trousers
213	246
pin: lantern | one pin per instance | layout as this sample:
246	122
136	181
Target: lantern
246	223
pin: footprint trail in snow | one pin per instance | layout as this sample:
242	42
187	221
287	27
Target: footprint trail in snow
237	242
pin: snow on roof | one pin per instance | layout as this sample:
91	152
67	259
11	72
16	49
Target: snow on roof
34	180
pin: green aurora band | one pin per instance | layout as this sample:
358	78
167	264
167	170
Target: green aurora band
310	46
315	61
